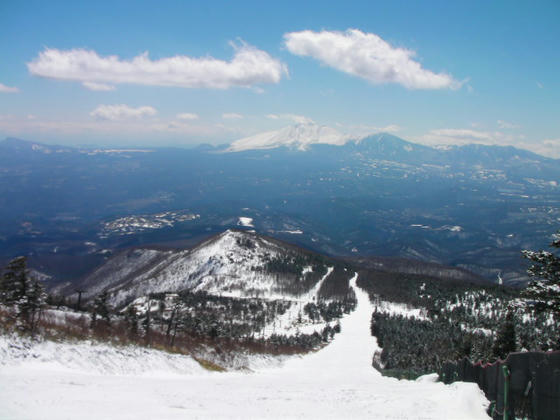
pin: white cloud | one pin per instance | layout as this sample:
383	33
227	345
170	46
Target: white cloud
507	125
232	116
298	119
368	56
121	112
249	66
540	85
8	89
549	148
187	116
98	86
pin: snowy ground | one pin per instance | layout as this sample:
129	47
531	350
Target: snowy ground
402	309
335	382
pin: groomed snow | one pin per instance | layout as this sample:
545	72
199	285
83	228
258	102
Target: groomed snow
336	382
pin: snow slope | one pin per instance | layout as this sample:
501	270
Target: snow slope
229	264
336	382
93	358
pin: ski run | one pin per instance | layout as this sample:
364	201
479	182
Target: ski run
53	381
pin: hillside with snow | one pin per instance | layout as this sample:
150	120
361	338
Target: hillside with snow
332	383
233	264
236	284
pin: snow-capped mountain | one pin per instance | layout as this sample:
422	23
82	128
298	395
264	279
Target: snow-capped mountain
234	263
299	136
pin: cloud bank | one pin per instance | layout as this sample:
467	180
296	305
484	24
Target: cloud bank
248	67
121	112
368	56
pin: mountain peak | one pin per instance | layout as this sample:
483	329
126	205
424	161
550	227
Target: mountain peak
299	136
232	263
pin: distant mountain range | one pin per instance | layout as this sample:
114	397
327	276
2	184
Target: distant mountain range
473	207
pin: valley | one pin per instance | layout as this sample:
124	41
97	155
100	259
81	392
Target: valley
473	207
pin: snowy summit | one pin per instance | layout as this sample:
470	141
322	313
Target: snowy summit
299	136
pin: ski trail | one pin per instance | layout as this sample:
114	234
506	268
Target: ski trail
351	352
336	382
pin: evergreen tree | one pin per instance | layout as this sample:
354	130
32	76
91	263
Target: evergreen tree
505	340
147	323
36	300
14	284
20	292
101	309
544	291
131	321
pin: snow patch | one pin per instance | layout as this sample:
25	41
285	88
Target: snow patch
395	309
245	221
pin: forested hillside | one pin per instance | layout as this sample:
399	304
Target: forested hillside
421	322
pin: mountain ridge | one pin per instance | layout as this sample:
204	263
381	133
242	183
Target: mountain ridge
237	263
232	263
295	139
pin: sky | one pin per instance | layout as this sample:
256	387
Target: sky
181	73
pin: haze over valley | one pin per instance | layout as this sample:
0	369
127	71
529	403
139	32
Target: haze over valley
474	207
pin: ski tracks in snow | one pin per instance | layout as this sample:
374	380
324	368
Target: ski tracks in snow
336	382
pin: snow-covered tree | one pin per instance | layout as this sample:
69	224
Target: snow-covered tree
544	291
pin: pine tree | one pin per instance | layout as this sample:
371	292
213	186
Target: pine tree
101	309
13	287
17	290
544	292
505	341
131	321
147	323
36	300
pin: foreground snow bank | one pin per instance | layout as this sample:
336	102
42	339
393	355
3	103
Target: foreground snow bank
92	358
336	382
98	358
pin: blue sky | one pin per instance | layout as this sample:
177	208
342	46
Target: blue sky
435	72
